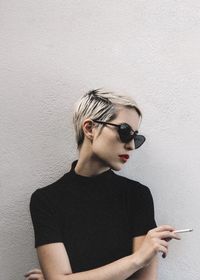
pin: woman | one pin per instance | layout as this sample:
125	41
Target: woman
92	223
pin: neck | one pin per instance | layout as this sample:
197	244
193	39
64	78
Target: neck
88	164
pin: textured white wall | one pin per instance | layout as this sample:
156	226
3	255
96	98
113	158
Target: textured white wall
51	52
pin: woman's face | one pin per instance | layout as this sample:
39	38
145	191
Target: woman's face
107	146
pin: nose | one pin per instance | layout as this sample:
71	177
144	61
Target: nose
130	145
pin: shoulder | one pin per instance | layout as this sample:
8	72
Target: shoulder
131	185
48	193
136	193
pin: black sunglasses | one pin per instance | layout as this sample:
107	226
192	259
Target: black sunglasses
126	133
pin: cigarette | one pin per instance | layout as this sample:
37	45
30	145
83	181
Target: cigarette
183	230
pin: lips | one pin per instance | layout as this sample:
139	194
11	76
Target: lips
125	157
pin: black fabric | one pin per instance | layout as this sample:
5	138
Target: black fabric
95	217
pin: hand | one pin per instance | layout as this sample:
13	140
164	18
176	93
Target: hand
34	274
155	241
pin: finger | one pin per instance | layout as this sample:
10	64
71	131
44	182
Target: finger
164	243
35	277
164	251
177	235
36	270
167	239
31	277
168	234
170	238
164	228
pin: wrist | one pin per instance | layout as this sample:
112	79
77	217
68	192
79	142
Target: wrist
137	260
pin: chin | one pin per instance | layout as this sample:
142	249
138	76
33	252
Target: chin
116	166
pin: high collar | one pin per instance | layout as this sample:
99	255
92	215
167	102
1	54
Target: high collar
102	176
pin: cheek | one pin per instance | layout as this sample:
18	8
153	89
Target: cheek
101	139
101	146
106	145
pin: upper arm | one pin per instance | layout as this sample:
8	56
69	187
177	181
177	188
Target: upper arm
45	218
54	260
52	255
140	210
149	272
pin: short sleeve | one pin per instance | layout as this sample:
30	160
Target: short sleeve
44	219
141	211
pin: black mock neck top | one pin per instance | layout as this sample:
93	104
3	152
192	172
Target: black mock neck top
95	217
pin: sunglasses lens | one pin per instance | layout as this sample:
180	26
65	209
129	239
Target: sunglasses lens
127	134
139	140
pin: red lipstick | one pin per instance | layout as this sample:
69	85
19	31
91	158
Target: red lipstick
124	157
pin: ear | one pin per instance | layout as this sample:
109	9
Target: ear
88	130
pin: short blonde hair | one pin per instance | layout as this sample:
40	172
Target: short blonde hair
101	105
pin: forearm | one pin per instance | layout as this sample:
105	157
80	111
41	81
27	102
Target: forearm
117	270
